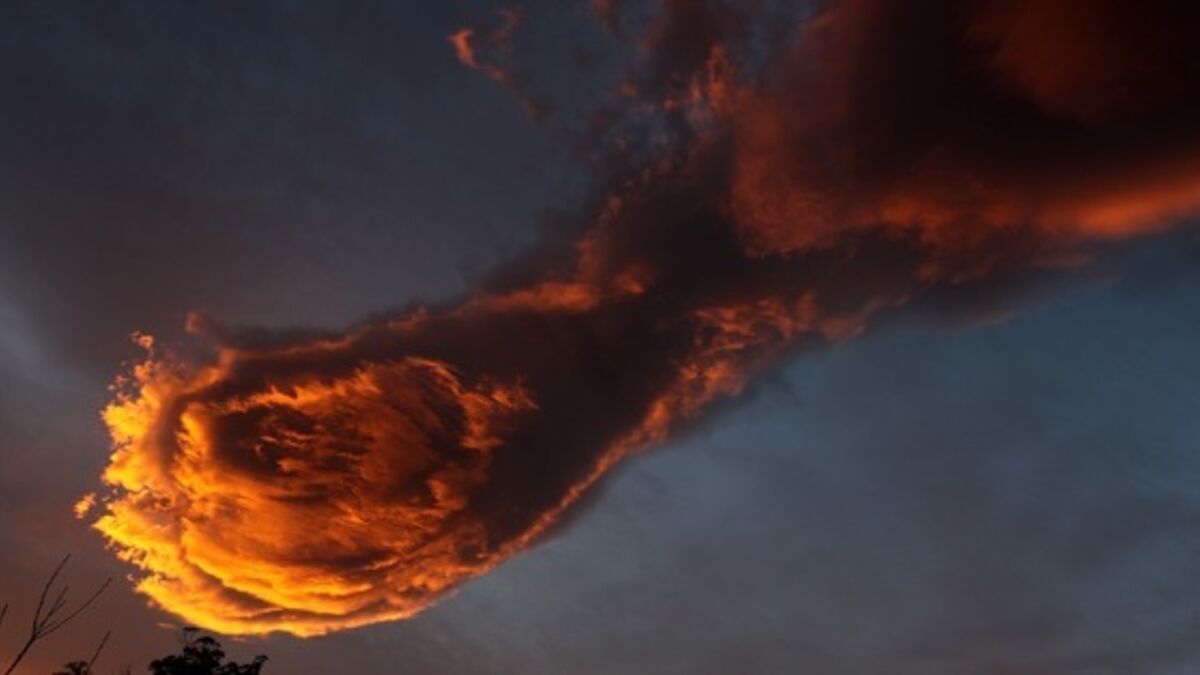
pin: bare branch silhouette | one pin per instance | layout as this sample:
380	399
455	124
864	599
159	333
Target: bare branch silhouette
86	667
49	618
95	655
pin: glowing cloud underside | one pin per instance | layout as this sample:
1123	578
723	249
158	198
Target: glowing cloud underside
311	485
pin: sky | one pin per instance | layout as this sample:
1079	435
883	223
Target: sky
1008	492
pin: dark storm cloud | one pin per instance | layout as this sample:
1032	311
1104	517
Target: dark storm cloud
837	536
921	117
845	178
788	204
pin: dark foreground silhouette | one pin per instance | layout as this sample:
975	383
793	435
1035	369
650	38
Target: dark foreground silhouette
200	655
52	614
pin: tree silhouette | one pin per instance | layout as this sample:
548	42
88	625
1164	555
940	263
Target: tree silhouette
52	615
202	655
85	667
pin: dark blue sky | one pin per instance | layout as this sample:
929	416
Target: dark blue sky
1015	497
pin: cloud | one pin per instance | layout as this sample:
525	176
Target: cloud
488	52
959	123
889	160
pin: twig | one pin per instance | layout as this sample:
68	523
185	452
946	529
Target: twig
92	661
46	620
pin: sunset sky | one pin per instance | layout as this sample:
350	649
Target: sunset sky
744	337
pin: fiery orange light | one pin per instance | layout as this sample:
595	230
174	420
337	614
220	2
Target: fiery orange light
237	507
312	485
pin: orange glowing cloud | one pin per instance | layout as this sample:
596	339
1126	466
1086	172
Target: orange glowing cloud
882	161
966	121
488	52
461	40
245	507
428	448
